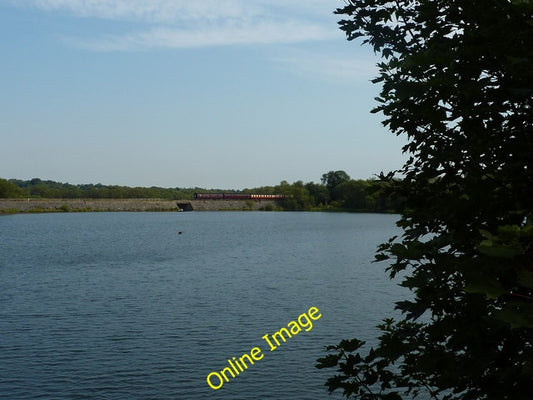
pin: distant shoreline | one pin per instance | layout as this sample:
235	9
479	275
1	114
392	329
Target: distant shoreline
34	206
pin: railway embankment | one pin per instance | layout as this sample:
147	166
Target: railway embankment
16	206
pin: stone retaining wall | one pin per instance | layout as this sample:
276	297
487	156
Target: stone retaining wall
222	205
63	205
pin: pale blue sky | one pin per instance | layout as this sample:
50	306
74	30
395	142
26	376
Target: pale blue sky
210	93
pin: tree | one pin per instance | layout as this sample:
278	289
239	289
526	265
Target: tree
352	194
318	192
457	80
8	189
334	178
297	196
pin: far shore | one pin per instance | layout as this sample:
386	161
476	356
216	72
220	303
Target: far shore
33	205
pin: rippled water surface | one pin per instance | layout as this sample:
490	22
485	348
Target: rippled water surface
122	306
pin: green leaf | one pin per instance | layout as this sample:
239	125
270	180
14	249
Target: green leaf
483	282
490	249
525	278
517	314
329	361
351	345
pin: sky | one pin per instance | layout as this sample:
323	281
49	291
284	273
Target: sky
228	94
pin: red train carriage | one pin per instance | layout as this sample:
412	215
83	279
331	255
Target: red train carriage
209	196
237	196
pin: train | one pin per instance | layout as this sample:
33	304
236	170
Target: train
237	196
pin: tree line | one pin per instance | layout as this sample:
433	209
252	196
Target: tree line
336	190
47	189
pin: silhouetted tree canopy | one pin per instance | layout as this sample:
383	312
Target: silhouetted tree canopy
457	81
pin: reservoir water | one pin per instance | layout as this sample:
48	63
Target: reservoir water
124	306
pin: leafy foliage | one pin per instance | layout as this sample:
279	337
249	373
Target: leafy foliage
51	189
457	80
8	189
353	195
332	179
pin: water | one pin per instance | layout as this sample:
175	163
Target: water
122	306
